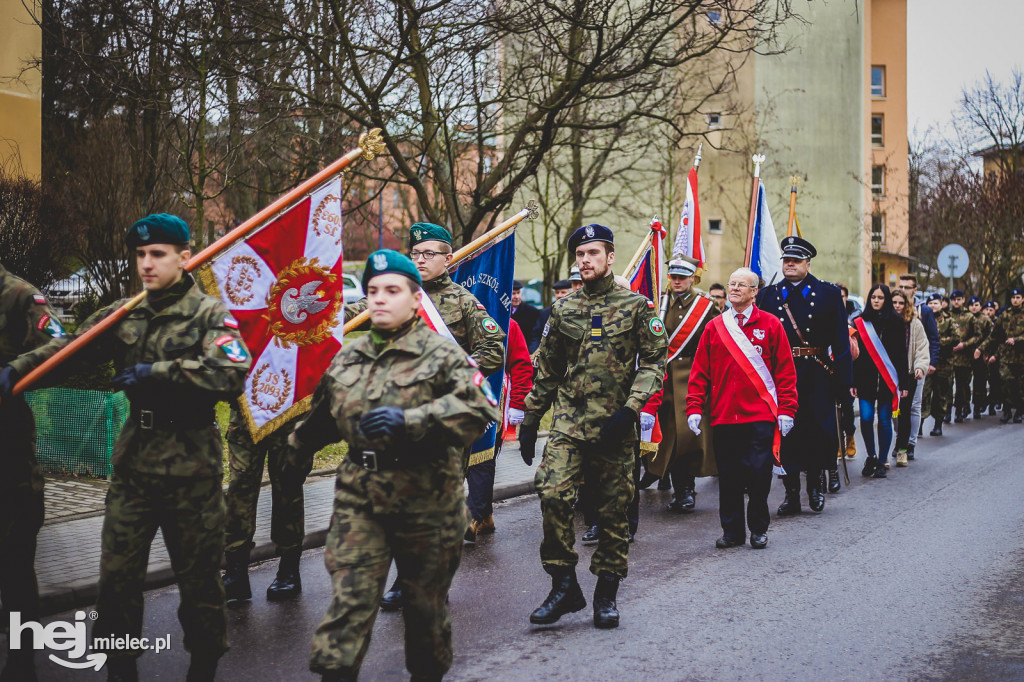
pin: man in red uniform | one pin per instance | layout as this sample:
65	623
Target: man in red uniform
744	368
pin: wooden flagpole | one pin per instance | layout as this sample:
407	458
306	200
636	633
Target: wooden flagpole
749	252
793	182
465	252
370	145
638	255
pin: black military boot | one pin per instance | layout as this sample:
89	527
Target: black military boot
937	431
960	415
992	411
393	598
949	415
288	583
122	670
979	412
590	535
236	575
834	484
815	491
203	668
685	499
565	596
791	505
606	615
871	463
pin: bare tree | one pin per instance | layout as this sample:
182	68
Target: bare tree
991	115
30	247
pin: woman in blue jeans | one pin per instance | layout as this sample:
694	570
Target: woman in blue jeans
879	372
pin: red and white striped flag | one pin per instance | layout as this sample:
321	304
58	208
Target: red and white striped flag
688	239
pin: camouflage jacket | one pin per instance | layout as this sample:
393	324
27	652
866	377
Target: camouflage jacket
1008	325
985	326
26	322
949	336
970	336
603	348
198	358
467	319
441	391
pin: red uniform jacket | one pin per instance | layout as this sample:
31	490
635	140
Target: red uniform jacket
518	366
715	376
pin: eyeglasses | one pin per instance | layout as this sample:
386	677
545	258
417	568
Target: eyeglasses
425	255
717	296
739	285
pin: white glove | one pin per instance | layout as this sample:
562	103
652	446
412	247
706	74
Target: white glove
785	424
646	421
693	421
515	417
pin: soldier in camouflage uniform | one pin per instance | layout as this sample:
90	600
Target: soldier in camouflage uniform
408	401
601	358
287	512
430	247
942	379
995	393
979	364
177	354
26	322
1007	344
963	353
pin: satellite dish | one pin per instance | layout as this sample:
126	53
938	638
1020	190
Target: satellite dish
953	261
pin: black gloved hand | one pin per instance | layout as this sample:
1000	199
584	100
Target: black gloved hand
8	379
383	422
621	424
132	377
528	438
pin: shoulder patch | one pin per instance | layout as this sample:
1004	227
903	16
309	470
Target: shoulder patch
547	328
650	303
230	322
489	325
51	325
232	347
39	299
480	306
657	327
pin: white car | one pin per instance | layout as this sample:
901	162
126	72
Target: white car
352	290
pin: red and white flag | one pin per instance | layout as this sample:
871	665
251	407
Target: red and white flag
688	239
283	285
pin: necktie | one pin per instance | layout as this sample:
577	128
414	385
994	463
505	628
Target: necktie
739	319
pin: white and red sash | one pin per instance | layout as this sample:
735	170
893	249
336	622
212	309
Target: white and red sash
873	345
428	311
753	365
688	326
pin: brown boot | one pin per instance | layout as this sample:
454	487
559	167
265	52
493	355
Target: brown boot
851	447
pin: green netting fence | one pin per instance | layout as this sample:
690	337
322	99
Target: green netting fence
76	429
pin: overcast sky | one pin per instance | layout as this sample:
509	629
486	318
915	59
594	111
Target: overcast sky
950	44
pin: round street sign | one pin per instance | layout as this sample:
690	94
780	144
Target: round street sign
953	261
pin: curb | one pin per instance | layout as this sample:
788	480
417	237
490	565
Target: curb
82	593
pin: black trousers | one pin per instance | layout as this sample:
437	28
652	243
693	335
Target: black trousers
980	388
744	456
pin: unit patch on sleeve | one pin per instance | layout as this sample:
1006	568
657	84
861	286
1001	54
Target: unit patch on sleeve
232	347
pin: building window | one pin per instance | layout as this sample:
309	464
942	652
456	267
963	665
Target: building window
877	130
878	81
714	120
878	273
877	230
714	226
878	181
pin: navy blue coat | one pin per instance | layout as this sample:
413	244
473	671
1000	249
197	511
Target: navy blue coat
818	309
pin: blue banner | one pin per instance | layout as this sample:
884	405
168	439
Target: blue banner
489	276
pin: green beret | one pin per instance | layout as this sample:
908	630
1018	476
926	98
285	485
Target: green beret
425	232
159	228
388	260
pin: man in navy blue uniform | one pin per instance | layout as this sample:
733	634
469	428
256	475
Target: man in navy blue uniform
814	317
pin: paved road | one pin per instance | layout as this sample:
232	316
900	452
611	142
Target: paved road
918	576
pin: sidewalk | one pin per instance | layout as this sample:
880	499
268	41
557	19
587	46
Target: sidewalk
68	553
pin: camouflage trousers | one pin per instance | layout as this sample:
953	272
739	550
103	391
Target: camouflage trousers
942	391
1011	378
962	378
926	396
609	476
190	514
416	517
245	463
